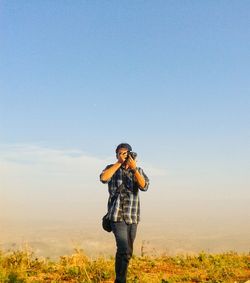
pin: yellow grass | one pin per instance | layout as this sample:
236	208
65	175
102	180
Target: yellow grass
21	266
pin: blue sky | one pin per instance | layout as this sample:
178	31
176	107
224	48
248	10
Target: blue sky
146	72
169	77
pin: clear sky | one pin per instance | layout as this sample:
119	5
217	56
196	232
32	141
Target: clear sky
169	77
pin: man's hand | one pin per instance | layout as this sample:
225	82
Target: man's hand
131	163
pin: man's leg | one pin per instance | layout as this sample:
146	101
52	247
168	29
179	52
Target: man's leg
132	228
124	235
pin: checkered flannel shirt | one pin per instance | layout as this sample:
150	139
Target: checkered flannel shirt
124	202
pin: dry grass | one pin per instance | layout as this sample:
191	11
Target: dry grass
21	266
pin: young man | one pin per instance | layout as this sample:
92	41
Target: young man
124	180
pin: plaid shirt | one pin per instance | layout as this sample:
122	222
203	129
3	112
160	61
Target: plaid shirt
124	202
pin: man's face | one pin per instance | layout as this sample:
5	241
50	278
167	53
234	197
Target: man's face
122	154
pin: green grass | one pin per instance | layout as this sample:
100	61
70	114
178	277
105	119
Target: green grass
23	266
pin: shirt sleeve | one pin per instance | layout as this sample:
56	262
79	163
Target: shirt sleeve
105	182
145	178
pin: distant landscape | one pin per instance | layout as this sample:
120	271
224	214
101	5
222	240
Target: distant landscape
55	238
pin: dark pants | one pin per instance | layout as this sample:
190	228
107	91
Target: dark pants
124	236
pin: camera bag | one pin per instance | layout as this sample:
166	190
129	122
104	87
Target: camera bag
106	223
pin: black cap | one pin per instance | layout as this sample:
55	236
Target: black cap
123	145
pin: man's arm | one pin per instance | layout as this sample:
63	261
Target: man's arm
139	178
109	172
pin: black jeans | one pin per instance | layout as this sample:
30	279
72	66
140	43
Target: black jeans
124	236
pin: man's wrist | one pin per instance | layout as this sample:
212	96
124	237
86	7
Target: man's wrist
119	163
134	170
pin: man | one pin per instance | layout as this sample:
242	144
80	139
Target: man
124	180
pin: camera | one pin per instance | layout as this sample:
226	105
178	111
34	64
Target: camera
132	154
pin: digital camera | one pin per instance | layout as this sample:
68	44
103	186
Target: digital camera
132	154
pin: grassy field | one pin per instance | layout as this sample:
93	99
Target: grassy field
23	266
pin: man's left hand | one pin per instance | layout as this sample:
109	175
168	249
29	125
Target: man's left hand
131	163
